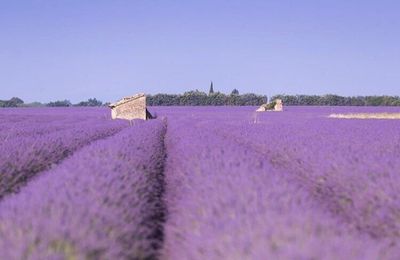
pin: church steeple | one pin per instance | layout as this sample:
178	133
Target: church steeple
211	89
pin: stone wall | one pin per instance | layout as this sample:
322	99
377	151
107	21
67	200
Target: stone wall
131	109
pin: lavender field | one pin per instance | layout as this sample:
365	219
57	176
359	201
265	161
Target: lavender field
199	183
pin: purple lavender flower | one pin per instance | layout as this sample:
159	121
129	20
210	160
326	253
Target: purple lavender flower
30	144
293	185
104	202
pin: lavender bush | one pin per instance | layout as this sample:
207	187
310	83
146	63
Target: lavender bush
294	185
23	157
238	185
29	123
101	203
350	165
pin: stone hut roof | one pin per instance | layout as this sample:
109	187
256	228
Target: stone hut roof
126	100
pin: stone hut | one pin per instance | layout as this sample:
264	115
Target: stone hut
275	105
133	107
278	105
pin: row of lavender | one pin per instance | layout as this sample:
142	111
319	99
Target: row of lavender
295	185
21	120
239	185
351	166
34	140
104	202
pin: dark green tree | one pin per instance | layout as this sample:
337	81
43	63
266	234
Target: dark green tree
59	103
235	92
91	102
13	102
193	98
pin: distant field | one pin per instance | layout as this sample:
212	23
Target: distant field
200	183
367	116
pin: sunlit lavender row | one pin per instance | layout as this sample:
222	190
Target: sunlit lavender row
28	148
351	165
228	200
199	183
101	203
19	123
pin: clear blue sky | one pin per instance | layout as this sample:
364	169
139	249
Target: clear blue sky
79	49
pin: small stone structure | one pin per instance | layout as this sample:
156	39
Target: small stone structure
275	105
278	105
133	107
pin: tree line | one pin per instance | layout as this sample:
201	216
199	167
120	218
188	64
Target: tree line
13	102
91	102
190	98
17	102
335	100
199	98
